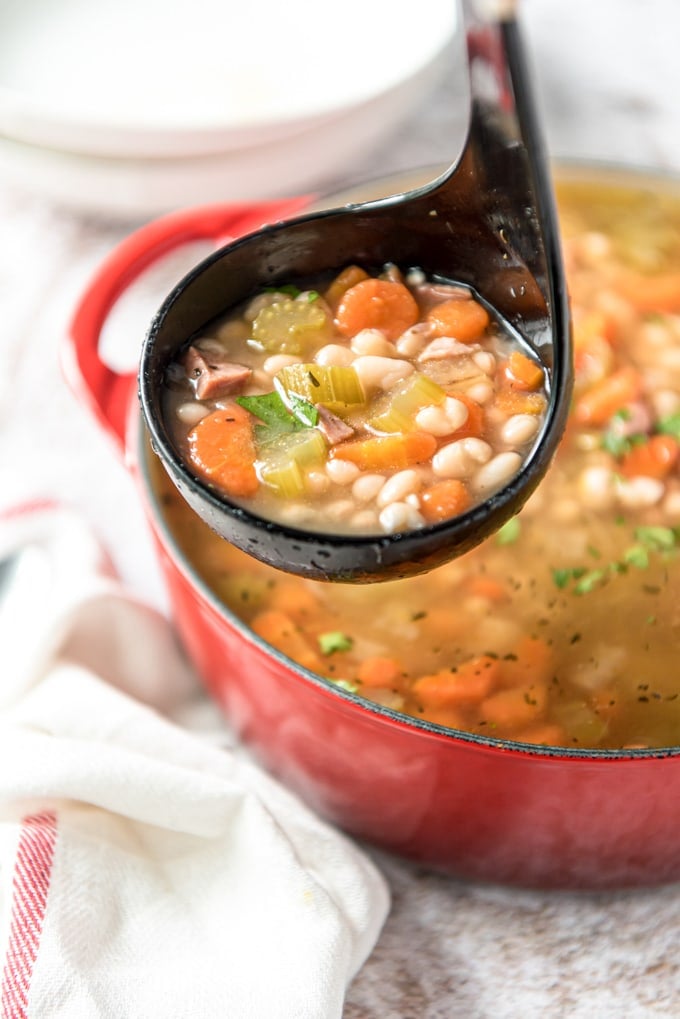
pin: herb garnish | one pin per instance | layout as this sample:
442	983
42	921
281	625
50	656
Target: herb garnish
648	540
277	419
509	532
334	641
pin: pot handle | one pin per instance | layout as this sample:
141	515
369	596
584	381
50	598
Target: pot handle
106	392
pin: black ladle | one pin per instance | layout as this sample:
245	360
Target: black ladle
488	222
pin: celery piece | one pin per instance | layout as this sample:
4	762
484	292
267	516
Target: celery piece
416	392
334	386
286	480
282	468
291	327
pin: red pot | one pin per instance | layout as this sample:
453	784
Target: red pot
475	807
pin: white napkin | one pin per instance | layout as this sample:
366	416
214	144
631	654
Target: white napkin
145	872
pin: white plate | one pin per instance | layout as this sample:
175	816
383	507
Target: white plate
177	78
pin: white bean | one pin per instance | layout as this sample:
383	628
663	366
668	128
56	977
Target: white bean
443	419
666	402
413	340
456	412
366	487
671	506
191	413
497	472
318	482
372	341
485	361
639	491
342	472
334	354
434	420
399	516
276	362
295	513
364	520
519	428
381	372
398	487
596	487
480	392
457	459
340	510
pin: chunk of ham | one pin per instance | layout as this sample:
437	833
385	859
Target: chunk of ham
212	374
333	428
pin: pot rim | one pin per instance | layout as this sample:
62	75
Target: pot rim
571	168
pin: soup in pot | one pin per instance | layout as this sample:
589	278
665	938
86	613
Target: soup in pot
564	628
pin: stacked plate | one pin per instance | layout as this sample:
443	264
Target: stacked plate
135	107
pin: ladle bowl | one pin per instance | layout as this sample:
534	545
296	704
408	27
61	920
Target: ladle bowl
489	222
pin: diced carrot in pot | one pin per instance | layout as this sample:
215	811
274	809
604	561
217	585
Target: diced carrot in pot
349	277
387	452
443	500
381	671
512	708
523	373
603	399
377	304
222	450
470	682
465	320
655	458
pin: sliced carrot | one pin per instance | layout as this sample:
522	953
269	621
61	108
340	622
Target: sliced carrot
546	735
470	682
349	277
660	293
464	320
443	500
512	401
518	706
387	452
448	717
295	598
591	327
381	671
377	304
222	450
602	400
481	585
279	630
523	373
654	458
530	661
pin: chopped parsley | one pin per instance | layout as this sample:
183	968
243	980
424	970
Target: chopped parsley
334	641
509	532
670	425
277	419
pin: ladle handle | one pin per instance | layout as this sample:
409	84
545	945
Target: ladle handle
105	391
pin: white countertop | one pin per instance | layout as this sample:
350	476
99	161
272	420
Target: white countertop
609	79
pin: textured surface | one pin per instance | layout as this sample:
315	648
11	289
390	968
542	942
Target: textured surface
609	84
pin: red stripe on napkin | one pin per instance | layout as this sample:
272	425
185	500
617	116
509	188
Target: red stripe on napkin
32	870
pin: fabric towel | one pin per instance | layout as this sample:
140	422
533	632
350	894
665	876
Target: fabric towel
144	870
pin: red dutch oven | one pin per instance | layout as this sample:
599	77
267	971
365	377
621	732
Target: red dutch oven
473	807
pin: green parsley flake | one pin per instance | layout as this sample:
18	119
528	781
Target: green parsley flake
660	539
670	425
334	641
345	684
276	418
509	532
